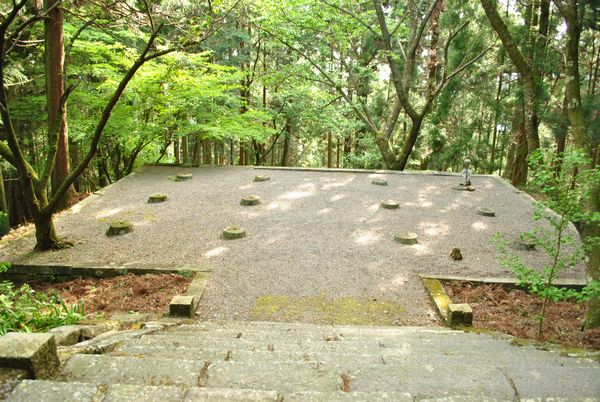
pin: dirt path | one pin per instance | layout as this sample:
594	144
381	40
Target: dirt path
317	237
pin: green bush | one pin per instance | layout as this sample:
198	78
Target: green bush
566	192
4	225
24	310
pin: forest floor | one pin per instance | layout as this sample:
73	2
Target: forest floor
127	293
516	312
319	248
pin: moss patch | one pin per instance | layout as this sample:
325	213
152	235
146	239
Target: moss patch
345	310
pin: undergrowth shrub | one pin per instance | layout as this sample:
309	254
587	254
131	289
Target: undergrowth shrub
23	309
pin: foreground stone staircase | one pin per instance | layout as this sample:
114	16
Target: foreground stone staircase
261	361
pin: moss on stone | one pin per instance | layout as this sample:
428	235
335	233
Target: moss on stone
347	310
262	178
158	197
183	176
379	182
233	232
119	227
250	200
390	204
486	211
406	238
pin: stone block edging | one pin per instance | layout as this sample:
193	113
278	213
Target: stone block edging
462	314
185	305
18	271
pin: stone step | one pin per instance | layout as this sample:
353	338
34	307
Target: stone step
316	336
398	349
422	379
341	396
216	355
50	391
323	334
281	376
277	327
500	357
467	344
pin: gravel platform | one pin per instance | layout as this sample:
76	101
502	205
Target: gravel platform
314	234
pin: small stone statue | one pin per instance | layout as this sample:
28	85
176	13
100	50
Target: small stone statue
467	173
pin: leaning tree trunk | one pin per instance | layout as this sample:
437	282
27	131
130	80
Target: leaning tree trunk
528	74
409	143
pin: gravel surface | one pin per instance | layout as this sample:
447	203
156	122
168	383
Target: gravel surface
314	234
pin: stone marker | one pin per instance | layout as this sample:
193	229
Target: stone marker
158	197
33	352
182	306
460	314
262	178
183	176
379	182
456	254
406	238
390	204
486	211
233	232
119	228
250	200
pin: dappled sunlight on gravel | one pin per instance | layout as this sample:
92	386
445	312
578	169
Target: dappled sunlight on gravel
313	233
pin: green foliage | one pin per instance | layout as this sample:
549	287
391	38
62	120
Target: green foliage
4	224
566	192
24	310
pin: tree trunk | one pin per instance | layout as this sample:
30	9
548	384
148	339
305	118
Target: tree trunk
496	114
54	60
184	150
329	151
207	152
287	141
242	160
3	204
176	151
45	233
409	144
518	172
197	149
571	11
528	74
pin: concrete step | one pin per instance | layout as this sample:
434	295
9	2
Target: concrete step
50	391
281	376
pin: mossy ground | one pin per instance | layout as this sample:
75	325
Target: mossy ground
347	310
